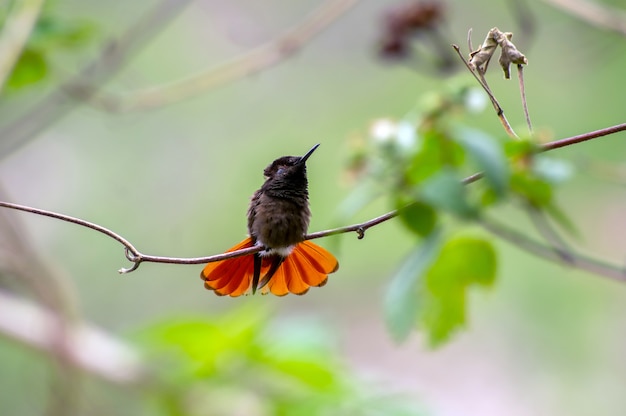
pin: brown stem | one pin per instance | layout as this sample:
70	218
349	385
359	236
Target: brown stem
583	137
483	83
522	88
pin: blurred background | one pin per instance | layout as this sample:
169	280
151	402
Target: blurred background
175	179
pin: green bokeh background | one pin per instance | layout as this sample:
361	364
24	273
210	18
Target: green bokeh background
176	181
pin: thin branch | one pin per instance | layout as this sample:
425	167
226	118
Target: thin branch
73	220
358	228
576	260
251	62
583	137
135	256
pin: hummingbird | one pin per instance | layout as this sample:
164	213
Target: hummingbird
278	219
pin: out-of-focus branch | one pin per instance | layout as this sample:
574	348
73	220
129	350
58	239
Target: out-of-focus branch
23	268
86	347
251	62
18	258
554	254
109	61
594	13
552	237
17	28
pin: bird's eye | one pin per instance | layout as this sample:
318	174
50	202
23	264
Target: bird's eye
280	171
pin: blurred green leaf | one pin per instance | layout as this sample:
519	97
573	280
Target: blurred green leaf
56	32
50	34
317	374
446	191
418	217
199	345
535	190
235	364
402	299
488	197
489	157
425	162
462	262
30	68
516	149
437	150
443	314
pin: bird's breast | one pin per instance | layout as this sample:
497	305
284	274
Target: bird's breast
280	223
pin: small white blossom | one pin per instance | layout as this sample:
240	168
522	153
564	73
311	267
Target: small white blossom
383	130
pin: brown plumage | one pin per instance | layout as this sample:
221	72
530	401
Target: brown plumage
278	219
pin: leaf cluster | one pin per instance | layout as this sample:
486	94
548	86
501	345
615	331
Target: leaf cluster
236	364
423	167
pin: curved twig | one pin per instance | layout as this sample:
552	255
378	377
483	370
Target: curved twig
136	257
73	220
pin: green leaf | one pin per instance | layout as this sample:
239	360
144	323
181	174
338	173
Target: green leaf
437	150
417	216
29	69
488	197
316	375
489	157
425	163
478	257
402	299
462	262
55	32
444	314
445	190
515	149
535	190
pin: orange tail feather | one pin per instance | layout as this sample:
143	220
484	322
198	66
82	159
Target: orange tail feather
307	265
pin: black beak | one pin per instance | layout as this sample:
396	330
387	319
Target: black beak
309	153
